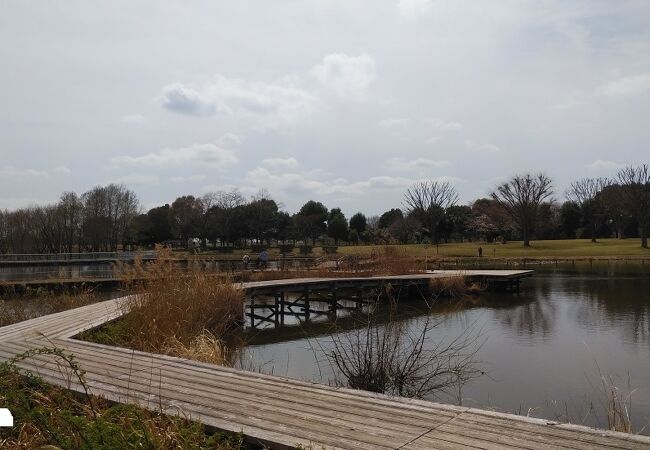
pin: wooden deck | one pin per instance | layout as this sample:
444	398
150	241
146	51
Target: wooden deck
280	412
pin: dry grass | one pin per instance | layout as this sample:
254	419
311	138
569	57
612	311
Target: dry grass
205	347
17	310
455	287
615	402
178	312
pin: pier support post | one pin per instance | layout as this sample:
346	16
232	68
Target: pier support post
282	308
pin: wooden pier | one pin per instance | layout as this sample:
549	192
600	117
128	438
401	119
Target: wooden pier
280	412
269	302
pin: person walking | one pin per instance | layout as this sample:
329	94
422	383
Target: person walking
480	252
264	258
246	260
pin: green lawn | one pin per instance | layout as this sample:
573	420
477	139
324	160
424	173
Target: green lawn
539	249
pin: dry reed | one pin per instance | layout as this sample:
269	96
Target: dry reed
183	313
455	287
18	309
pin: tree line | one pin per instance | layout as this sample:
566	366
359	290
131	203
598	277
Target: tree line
108	218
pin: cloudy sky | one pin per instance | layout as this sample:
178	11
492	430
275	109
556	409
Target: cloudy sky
344	101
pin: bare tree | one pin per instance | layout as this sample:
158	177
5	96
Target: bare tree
521	197
586	193
71	209
428	201
636	196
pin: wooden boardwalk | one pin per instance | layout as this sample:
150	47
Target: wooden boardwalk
275	411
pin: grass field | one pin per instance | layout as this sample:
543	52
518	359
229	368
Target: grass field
539	249
565	248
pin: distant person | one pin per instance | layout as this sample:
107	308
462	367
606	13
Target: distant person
480	252
264	258
246	260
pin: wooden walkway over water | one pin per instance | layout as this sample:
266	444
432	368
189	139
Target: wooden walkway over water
280	412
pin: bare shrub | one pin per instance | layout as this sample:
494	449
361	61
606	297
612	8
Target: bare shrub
384	355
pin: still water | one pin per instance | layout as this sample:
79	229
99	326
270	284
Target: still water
544	348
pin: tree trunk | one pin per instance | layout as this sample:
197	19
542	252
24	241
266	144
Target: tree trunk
643	231
526	238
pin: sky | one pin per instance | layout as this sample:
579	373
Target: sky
344	101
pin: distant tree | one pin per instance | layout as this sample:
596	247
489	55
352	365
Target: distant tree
160	228
520	197
548	223
615	209
262	218
108	213
221	213
353	237
636	196
570	218
359	223
428	200
387	218
482	226
286	229
404	229
337	225
71	208
586	193
458	217
311	220
185	217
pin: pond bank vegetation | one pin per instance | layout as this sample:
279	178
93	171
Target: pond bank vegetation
47	416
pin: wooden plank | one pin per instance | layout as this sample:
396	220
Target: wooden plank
356	435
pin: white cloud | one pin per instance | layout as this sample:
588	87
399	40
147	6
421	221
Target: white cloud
481	147
62	170
133	118
15	172
432	140
632	85
185	100
270	105
401	164
229	140
602	165
279	163
319	183
443	125
314	182
394	122
12	203
413	9
139	179
187	179
348	77
205	155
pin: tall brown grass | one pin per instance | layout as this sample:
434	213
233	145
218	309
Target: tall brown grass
184	313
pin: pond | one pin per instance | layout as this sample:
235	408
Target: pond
544	349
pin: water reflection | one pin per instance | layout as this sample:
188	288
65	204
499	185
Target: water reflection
542	345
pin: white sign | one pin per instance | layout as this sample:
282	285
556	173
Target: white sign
6	419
